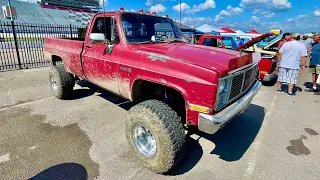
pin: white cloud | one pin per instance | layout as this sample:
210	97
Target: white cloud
225	13
184	7
191	20
236	10
195	21
132	10
218	18
149	2
297	19
282	4
159	8
255	20
154	2
316	12
271	4
208	4
230	11
269	15
266	14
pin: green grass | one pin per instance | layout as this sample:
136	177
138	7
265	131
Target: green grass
24	39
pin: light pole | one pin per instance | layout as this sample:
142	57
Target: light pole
9	4
180	14
14	35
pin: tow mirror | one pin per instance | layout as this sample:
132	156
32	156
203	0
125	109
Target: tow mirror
97	38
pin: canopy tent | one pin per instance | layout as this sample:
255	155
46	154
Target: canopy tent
185	28
240	32
209	29
253	32
199	32
227	30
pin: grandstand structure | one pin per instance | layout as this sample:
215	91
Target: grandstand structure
60	12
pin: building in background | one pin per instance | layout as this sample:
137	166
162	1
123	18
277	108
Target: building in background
82	4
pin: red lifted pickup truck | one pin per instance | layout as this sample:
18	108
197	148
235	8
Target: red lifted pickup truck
145	58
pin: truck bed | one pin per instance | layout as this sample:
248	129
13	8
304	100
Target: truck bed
68	49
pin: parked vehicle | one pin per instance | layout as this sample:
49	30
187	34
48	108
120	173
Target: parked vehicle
268	61
268	64
270	40
219	41
245	36
176	85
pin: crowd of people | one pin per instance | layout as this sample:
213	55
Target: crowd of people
293	52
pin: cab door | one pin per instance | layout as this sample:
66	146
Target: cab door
100	58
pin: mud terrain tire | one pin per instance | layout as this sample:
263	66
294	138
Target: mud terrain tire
166	129
61	81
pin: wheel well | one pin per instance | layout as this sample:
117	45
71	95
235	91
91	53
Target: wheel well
56	59
145	90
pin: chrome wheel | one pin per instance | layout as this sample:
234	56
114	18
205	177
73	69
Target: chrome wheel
144	141
54	84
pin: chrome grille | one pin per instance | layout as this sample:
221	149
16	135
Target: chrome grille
239	83
236	85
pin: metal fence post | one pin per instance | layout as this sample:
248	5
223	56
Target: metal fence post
16	43
71	30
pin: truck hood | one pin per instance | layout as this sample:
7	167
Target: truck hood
221	60
254	41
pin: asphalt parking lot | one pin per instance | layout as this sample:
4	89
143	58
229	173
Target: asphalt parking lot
277	137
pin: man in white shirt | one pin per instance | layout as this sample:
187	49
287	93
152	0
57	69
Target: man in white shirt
292	59
307	41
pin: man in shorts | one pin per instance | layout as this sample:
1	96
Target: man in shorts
314	67
291	60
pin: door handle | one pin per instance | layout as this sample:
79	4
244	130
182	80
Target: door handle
89	45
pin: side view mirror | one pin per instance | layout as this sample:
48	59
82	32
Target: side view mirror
97	38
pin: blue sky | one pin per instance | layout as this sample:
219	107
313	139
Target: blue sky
262	15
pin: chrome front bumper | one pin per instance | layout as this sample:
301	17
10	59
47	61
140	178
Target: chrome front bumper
212	123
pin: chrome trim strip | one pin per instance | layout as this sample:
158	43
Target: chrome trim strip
212	123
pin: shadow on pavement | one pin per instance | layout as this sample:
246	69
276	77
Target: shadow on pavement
295	88
270	83
231	142
193	155
70	171
235	139
309	85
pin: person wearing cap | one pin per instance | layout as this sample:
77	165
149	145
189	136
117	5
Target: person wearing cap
307	41
285	38
291	60
314	67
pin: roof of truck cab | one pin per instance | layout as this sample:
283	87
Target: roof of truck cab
127	12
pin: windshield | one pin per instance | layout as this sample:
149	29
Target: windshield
139	28
229	43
